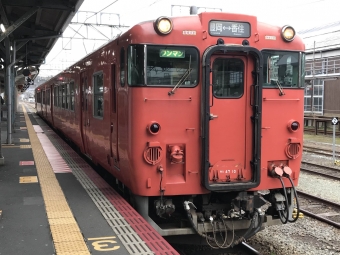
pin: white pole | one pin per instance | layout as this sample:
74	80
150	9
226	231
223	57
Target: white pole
334	143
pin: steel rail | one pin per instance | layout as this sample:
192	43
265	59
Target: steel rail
315	216
248	247
321	174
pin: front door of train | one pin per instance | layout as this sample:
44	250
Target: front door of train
232	122
114	157
85	122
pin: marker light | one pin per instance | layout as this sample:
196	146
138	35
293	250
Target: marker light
293	125
153	128
288	33
163	25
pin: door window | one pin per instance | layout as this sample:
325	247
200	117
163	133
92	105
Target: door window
228	78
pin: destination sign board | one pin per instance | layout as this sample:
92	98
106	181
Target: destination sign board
229	28
166	53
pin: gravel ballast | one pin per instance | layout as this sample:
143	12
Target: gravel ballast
306	236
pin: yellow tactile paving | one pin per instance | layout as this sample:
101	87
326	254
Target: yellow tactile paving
61	221
69	227
56	215
66	234
66	237
49	180
26	146
46	188
52	197
50	190
71	253
56	206
45	174
71	247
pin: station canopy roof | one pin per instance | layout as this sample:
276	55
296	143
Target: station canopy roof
33	27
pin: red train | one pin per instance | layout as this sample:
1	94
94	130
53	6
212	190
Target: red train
198	117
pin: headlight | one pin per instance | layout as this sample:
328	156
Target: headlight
163	25
288	33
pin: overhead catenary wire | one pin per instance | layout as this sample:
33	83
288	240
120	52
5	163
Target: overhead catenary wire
77	31
81	27
64	46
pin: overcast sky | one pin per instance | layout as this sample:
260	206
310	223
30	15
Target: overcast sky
298	13
301	14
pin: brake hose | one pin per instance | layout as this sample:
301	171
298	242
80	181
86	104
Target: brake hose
283	218
296	197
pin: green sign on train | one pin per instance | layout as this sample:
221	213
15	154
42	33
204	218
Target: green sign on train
166	53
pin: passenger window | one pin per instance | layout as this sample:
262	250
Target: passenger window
60	96
48	93
67	93
72	95
122	67
63	88
55	96
98	93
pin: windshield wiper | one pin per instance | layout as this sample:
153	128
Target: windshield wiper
180	82
280	88
183	78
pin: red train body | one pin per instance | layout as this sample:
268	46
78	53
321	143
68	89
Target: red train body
198	117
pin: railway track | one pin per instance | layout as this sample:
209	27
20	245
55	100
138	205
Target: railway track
316	207
329	172
241	249
320	209
320	151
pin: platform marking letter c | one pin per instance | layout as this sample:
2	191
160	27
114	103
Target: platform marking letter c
103	243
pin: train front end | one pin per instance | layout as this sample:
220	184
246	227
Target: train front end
221	110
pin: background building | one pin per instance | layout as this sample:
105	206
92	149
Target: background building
322	92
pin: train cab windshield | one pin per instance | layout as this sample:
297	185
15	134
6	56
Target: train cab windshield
282	69
163	66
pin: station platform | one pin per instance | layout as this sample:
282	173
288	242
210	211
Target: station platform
53	202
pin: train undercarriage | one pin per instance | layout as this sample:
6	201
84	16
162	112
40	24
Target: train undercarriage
222	219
